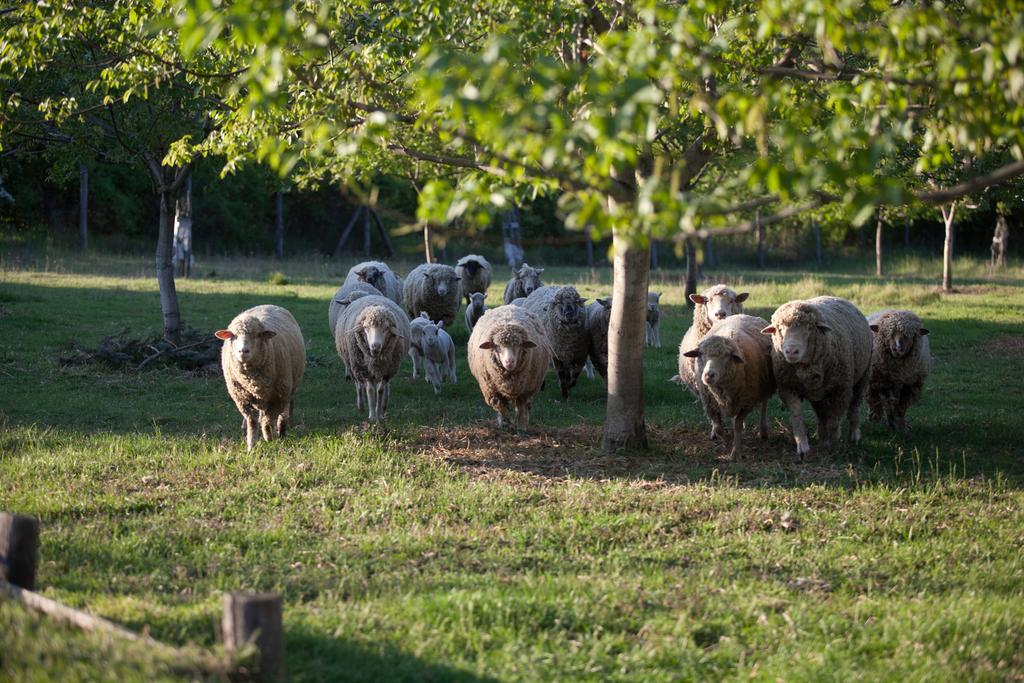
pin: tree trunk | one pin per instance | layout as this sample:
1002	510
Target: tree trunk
691	271
709	252
760	240
165	267
878	243
947	250
428	249
816	227
590	248
279	223
83	206
366	231
624	420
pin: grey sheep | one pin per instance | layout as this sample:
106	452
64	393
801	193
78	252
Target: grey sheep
417	328
599	315
653	336
264	358
562	314
713	304
434	288
474	309
372	337
734	368
509	356
378	275
900	364
821	351
345	295
523	282
475	275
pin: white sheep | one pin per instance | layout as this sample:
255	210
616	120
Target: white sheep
821	351
372	337
563	315
734	367
900	364
475	275
263	358
378	275
653	336
523	282
713	304
475	309
509	356
436	289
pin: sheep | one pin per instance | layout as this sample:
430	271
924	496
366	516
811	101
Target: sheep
264	358
900	365
474	309
523	282
432	348
509	355
518	301
563	315
371	338
734	364
821	351
379	276
653	336
345	295
714	303
475	274
599	315
417	328
434	288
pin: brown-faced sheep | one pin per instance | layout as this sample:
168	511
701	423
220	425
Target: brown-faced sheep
474	309
821	351
475	275
264	358
899	366
734	368
509	355
434	288
713	304
653	336
523	282
599	315
379	276
562	314
372	337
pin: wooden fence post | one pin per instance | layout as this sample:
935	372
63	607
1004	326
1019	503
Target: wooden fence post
256	617
19	549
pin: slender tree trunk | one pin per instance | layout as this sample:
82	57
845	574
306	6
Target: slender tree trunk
878	243
279	223
428	249
760	240
816	227
654	255
709	252
165	265
947	250
624	420
83	206
590	248
906	235
691	271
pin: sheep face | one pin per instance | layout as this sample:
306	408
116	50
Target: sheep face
377	329
721	302
569	308
653	299
507	347
899	333
372	276
717	359
471	268
441	284
247	341
430	341
477	300
529	277
795	337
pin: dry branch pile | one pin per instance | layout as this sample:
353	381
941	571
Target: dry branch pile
199	351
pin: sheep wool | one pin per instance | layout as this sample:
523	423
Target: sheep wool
599	316
900	365
713	304
345	295
475	275
563	316
523	282
474	309
434	288
378	275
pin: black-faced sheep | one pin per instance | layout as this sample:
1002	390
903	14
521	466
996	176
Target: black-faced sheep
821	351
713	304
264	358
900	365
475	275
474	309
653	336
599	315
378	275
734	369
523	282
562	314
372	337
434	288
509	355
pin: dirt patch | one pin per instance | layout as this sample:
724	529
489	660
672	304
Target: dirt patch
1004	346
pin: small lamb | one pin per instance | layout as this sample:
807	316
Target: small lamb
264	358
653	336
734	364
713	304
475	274
523	282
900	364
436	289
434	349
474	309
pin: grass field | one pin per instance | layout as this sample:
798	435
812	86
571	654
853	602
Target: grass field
438	548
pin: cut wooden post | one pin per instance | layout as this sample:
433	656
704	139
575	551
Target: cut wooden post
383	233
346	231
878	243
83	206
256	618
19	549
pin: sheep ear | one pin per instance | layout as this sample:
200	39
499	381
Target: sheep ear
267	334
740	298
924	331
224	334
698	299
440	325
824	328
487	345
528	344
874	328
692	353
736	357
768	330
398	333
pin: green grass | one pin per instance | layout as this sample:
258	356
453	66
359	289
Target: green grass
437	548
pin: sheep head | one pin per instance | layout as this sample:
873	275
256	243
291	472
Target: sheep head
507	345
899	331
529	277
796	330
377	327
720	302
568	305
717	358
247	339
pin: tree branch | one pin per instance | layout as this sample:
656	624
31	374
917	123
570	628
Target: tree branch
996	177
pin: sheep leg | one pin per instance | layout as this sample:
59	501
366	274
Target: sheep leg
359	395
853	417
714	414
502	408
249	421
737	434
563	381
267	425
764	419
371	402
451	364
796	420
875	405
415	363
657	335
908	397
387	397
382	399
523	416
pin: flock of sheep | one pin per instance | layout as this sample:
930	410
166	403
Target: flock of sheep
823	350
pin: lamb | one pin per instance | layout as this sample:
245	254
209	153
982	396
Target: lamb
434	288
432	348
564	318
509	356
417	328
899	366
372	337
379	276
474	309
714	303
475	274
264	358
523	282
653	336
599	315
821	351
734	364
